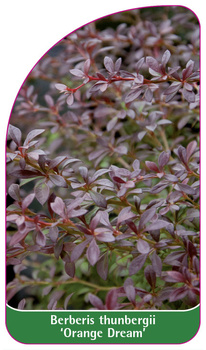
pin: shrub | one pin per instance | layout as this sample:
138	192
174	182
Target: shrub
103	168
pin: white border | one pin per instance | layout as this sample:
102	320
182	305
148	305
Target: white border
28	30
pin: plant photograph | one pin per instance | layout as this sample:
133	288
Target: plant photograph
103	168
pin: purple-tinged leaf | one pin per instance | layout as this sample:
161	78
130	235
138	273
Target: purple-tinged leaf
182	154
55	296
148	95
77	73
83	172
58	207
15	134
112	123
132	226
139	64
132	95
102	266
188	70
98	173
153	64
56	161
125	214
70	268
58	180
96	302
87	64
156	264
109	64
142	246
32	134
165	58
14	192
40	238
152	166
171	178
174	276
159	187
163	159
192	251
185	188
70	99
178	293
27	201
118	64
46	290
49	100
130	290
21	304
137	263
66	301
58	248
118	179
61	87
93	252
173	88
98	199
111	300
53	233
105	236
191	148
188	95
155	234
26	174
157	225
174	258
41	191
146	217
150	276
78	250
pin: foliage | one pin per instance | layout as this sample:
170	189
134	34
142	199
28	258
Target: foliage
103	168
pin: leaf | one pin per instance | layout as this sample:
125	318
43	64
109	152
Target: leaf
58	207
137	263
142	246
98	199
96	302
109	64
93	252
146	217
58	180
56	161
14	192
15	134
185	188
21	304
132	95
102	266
27	201
77	73
130	290
157	225
61	87
105	236
156	264
55	296
174	276
40	238
125	214
163	159
32	134
26	174
152	166
111	299
153	64
178	293
150	276
41	191
67	299
165	58
78	250
191	148
70	268
53	233
70	99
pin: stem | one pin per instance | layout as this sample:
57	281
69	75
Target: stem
59	283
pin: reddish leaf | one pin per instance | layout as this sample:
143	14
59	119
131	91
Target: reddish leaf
137	263
70	268
40	238
142	246
111	300
96	302
174	276
146	217
150	275
98	199
102	266
32	134
14	192
27	201
58	180
15	134
152	166
178	293
26	174
41	191
93	252
78	250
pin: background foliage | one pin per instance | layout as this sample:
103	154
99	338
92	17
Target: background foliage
103	168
